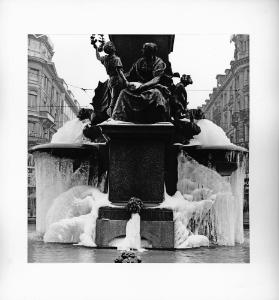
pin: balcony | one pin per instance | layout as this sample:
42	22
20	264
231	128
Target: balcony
47	118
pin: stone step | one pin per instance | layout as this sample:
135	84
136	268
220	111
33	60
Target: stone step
147	214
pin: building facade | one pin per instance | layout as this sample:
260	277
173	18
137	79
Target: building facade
228	104
50	102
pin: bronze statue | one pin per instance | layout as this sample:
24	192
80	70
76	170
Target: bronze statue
179	105
146	100
114	68
146	94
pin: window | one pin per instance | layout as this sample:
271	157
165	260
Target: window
49	87
246	133
38	129
35	44
231	92
32	101
52	93
246	76
241	104
33	74
31	128
46	133
45	100
62	106
44	81
246	102
225	98
237	82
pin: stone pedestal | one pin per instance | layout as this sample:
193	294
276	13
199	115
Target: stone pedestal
157	226
137	169
137	161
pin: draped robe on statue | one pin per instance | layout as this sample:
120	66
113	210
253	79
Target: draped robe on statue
148	104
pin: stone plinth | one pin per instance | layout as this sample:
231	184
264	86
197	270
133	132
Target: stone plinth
137	161
156	226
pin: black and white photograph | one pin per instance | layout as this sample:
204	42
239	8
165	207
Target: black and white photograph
146	165
139	132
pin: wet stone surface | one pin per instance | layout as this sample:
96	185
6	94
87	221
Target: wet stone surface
39	252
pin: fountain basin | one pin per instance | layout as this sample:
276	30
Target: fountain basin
224	159
59	167
88	164
68	150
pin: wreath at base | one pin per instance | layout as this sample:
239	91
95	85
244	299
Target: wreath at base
134	205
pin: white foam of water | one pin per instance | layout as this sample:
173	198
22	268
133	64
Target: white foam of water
132	239
71	132
210	135
73	220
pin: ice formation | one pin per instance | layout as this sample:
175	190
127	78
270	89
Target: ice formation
71	132
210	135
132	239
73	220
207	203
207	207
55	175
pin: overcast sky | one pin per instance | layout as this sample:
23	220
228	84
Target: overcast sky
201	56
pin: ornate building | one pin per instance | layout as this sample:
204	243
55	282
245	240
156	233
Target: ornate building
50	102
228	104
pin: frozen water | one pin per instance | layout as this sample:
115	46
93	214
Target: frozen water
73	220
194	241
185	211
71	132
211	204
132	239
55	175
210	135
206	205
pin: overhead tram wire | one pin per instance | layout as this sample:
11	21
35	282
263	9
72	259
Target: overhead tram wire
78	87
85	89
68	84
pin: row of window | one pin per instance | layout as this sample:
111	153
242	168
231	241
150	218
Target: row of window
244	45
38	48
46	84
54	96
36	130
225	97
